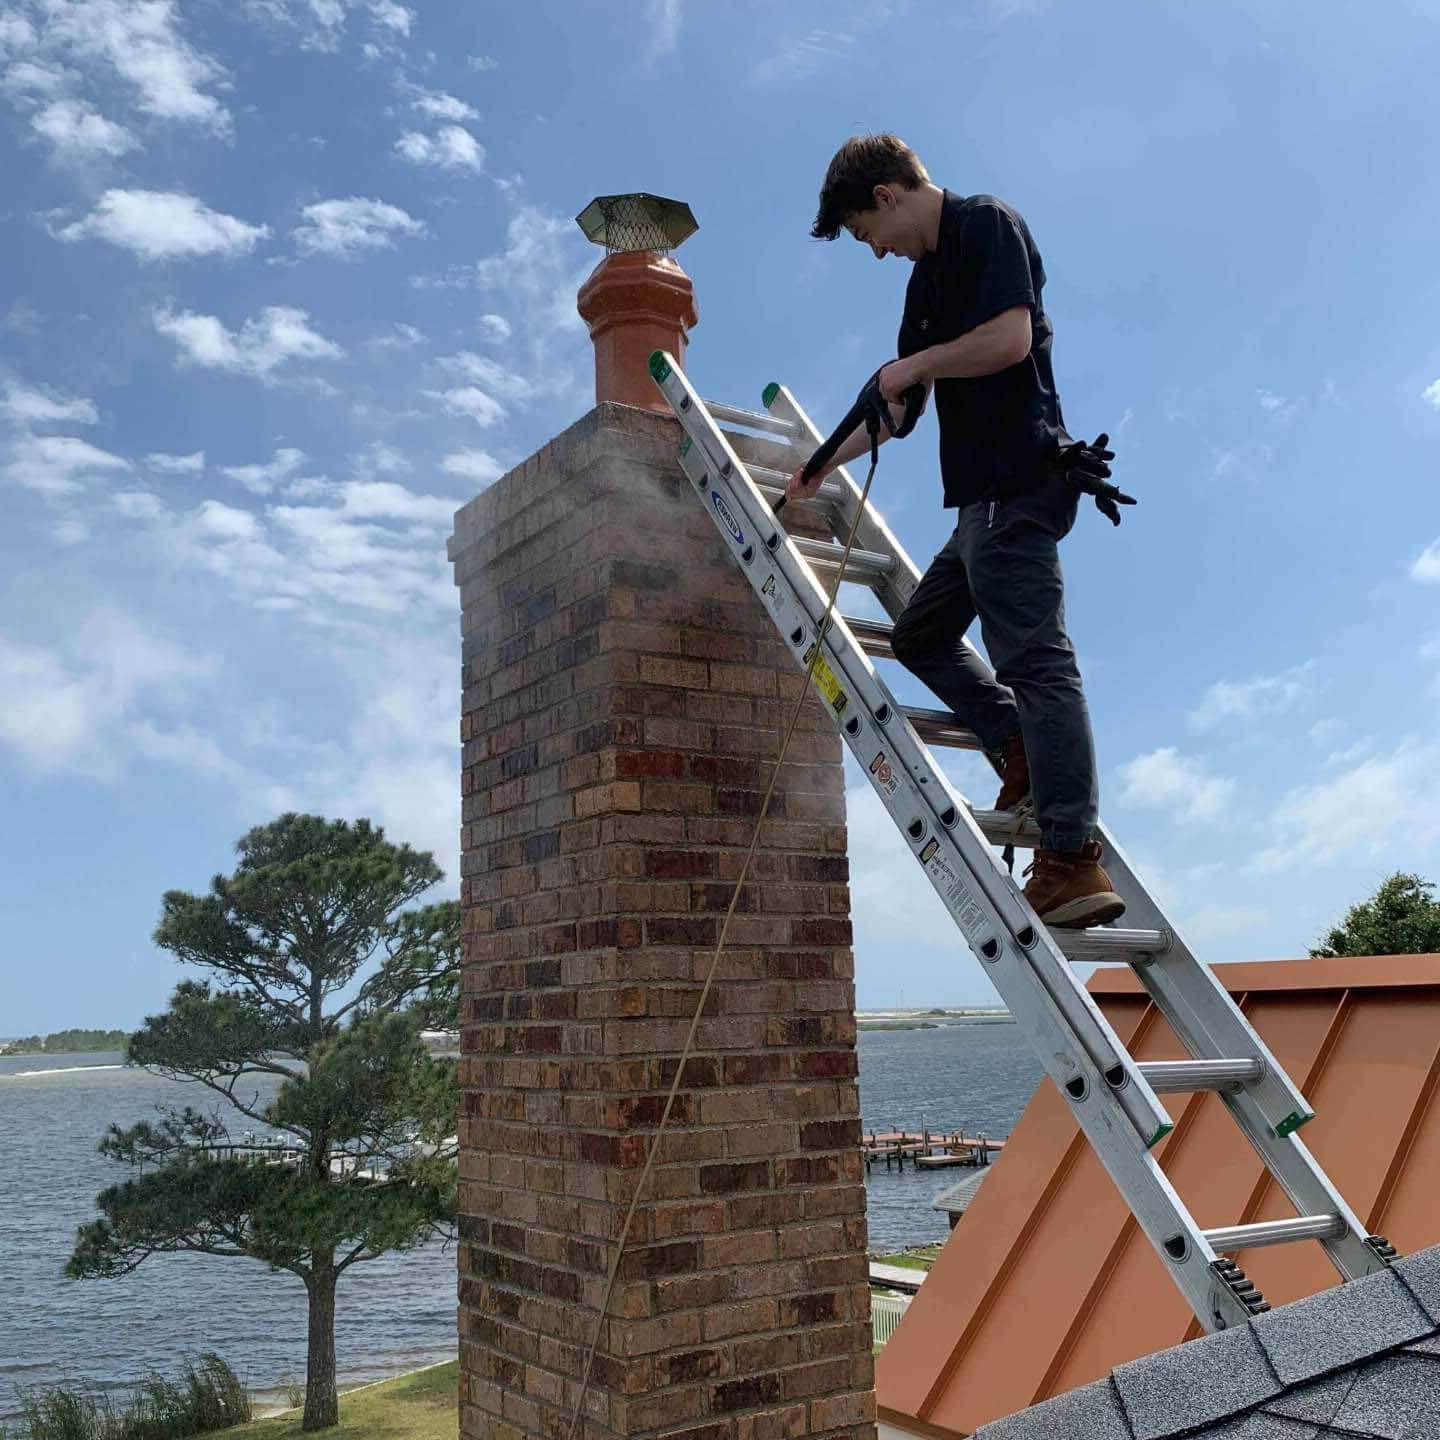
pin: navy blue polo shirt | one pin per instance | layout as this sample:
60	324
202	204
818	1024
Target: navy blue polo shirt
995	430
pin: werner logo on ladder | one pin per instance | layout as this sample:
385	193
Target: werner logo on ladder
1005	538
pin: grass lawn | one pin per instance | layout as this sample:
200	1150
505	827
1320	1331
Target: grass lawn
907	1259
412	1407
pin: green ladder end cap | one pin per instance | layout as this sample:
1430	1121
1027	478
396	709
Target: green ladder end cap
769	393
1292	1122
1158	1136
659	366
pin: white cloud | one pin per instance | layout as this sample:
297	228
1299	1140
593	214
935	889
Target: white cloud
476	465
1387	805
441	106
664	17
471	402
1166	780
16	34
30	78
346	228
167	464
59	699
40	405
262	479
163	225
385	500
1427	566
483	63
1263	695
392	16
1431	394
541	267
1280	409
367	548
452	147
137	504
494	328
77	133
800	59
58	464
398	761
140	41
495	378
71	531
379	459
22	318
278	335
224	522
402	337
323	21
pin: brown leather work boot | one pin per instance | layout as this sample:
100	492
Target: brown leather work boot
1069	890
1015	777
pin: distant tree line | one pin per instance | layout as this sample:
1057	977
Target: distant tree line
68	1042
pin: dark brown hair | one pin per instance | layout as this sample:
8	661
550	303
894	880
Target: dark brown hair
858	167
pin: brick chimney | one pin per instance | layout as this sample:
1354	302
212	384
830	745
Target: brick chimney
637	298
623	693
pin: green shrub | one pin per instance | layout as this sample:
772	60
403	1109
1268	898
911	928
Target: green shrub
208	1397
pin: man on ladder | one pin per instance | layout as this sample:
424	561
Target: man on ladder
974	328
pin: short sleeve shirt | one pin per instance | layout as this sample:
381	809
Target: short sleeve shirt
995	430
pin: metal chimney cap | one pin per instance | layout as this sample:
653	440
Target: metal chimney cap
636	222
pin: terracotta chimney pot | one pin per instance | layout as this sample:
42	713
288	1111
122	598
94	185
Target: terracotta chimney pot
634	302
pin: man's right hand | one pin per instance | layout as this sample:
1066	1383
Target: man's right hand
798	488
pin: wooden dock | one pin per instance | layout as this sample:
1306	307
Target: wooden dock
926	1149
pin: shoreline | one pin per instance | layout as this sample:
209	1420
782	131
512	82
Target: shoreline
269	1409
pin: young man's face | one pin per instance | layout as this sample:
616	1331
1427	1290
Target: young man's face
887	228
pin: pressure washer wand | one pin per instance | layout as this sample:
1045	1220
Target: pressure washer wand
872	410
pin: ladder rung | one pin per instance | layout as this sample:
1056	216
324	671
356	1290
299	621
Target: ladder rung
1002	827
752	419
1111	942
1230	1238
873	636
940	727
861	566
773	482
1171	1077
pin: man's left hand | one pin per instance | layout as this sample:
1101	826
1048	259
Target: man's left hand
897	377
1088	467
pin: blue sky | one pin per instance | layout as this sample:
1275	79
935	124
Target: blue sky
286	281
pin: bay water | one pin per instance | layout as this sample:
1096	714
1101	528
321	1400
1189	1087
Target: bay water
392	1314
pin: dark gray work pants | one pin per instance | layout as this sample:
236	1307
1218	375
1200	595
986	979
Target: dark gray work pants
1003	564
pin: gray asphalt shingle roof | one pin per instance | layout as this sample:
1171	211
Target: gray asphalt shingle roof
956	1198
1358	1362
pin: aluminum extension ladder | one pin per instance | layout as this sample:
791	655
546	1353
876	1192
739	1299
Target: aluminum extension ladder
1114	1098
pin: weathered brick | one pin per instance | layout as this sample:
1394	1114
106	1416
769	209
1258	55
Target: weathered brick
620	712
746	1394
787	1423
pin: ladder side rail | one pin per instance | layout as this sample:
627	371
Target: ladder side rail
1209	1023
1112	1134
1203	1015
1205	1018
996	922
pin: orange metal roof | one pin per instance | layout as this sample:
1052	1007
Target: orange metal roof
1047	1283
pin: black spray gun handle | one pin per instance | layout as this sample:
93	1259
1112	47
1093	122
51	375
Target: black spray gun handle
872	410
